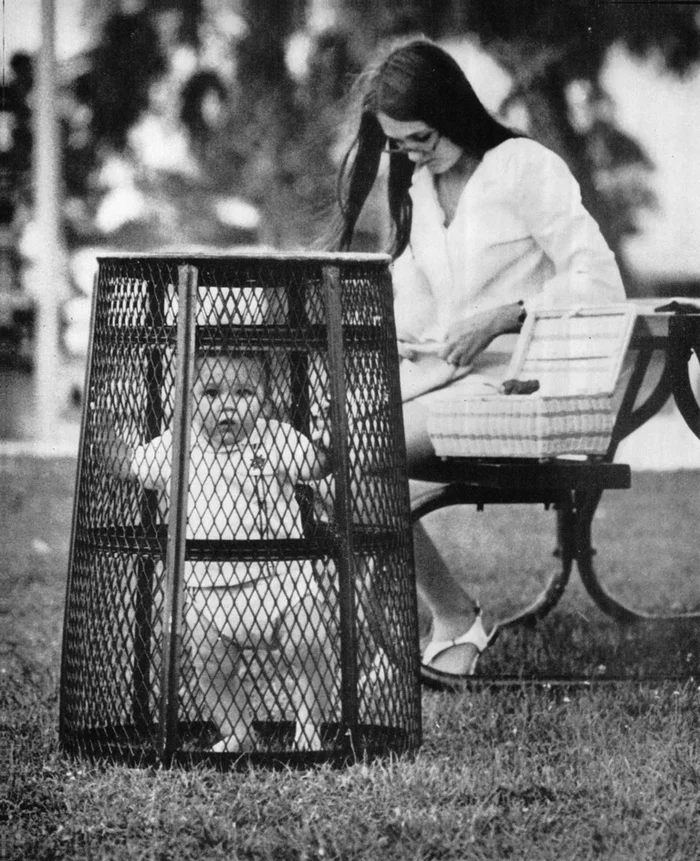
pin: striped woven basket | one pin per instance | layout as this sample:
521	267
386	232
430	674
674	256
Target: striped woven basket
522	426
576	356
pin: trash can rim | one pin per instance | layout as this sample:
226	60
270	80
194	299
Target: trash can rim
286	256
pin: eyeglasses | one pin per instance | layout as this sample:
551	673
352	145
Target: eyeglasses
420	142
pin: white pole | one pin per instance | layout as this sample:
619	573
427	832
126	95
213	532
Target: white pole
49	272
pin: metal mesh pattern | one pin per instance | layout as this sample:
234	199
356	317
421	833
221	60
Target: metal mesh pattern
241	578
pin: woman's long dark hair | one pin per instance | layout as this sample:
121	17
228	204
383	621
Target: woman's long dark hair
418	81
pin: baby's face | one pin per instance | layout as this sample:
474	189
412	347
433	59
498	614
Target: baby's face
229	398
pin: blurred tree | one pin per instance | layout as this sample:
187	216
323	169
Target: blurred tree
275	145
264	116
16	140
549	48
202	104
122	68
15	136
16	111
553	51
110	92
260	124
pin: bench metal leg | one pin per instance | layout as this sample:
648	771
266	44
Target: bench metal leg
574	519
554	589
443	496
585	507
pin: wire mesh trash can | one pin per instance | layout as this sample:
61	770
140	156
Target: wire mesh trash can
241	585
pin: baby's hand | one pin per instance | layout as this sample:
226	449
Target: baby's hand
320	421
111	449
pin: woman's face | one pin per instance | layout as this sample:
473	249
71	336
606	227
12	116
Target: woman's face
423	145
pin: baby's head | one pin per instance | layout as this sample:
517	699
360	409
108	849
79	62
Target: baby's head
230	396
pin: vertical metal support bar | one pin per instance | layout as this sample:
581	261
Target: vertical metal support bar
177	517
145	564
391	360
62	716
298	359
343	508
143	637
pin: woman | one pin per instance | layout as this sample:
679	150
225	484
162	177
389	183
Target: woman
487	225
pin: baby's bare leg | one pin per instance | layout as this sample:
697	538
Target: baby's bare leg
305	634
219	668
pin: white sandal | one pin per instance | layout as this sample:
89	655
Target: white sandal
476	636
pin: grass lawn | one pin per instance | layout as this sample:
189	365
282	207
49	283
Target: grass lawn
602	770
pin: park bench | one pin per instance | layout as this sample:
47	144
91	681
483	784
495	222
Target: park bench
574	487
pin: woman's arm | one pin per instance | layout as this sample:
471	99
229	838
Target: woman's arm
548	200
469	337
544	196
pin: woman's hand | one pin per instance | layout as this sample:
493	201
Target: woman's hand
467	338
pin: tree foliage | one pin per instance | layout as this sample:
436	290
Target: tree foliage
267	132
547	47
121	69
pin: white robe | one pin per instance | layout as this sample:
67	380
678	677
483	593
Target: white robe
520	232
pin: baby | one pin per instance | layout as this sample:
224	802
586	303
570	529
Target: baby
244	466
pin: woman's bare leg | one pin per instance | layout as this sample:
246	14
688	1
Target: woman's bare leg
451	607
